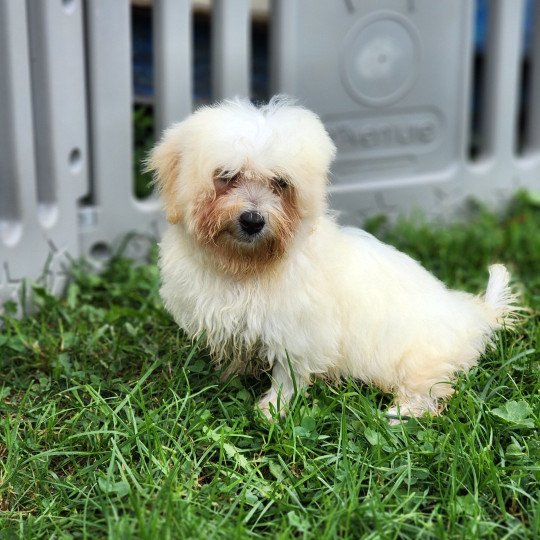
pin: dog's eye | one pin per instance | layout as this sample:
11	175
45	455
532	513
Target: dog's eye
226	177
280	182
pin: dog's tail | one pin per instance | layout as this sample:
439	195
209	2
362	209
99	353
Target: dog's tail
501	300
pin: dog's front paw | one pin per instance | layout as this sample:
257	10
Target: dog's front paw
271	405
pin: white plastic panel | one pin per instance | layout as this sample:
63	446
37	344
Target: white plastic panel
40	173
114	211
391	79
372	70
498	172
59	100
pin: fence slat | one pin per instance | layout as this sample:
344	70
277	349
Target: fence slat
283	46
109	69
172	41
230	49
26	250
59	100
499	116
114	211
17	185
532	135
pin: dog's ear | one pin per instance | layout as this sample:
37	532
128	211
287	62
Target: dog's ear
164	162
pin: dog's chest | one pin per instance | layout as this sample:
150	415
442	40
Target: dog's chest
239	312
232	316
281	317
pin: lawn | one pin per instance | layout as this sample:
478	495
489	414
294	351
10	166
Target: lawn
114	425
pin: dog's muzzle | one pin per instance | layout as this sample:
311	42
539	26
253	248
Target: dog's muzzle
251	223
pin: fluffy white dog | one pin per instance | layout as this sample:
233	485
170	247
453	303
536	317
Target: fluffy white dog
253	263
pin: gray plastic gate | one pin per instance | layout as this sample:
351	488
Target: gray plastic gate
391	79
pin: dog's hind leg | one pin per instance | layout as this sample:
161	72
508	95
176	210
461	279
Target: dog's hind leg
423	384
284	383
412	405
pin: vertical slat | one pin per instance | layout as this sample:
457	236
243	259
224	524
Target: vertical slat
109	69
114	212
17	167
532	135
9	193
466	98
230	48
27	250
283	38
172	62
501	77
59	101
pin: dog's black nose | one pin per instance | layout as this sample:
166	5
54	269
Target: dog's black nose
251	222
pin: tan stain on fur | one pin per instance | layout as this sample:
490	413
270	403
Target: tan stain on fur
164	162
216	217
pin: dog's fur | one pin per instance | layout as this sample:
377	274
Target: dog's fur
303	296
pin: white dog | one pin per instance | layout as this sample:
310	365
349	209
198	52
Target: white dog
253	263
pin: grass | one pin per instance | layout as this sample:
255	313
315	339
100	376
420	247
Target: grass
143	141
114	425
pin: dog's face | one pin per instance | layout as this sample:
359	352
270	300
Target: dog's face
243	181
248	220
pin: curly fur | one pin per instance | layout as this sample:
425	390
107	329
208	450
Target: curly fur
304	297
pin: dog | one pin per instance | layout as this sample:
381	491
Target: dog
254	264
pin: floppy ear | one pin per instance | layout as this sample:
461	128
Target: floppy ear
164	162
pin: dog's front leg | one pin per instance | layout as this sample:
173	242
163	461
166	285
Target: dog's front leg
284	382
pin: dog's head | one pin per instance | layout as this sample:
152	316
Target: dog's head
243	180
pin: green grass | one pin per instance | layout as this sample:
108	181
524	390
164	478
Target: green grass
114	425
143	141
